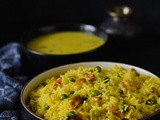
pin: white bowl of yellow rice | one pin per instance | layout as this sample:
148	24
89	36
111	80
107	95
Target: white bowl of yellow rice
92	91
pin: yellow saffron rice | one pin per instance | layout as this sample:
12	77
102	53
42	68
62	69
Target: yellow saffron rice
96	93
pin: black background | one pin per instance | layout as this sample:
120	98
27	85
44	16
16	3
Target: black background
18	17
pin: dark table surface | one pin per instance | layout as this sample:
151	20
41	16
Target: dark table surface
142	50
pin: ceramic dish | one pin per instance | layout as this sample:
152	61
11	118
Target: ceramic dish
41	61
62	69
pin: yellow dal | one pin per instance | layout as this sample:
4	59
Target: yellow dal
65	43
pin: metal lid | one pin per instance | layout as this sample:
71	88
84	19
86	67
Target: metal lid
120	11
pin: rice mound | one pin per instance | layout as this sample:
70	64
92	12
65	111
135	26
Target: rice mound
96	93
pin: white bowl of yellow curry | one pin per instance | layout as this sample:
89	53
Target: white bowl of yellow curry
62	44
92	91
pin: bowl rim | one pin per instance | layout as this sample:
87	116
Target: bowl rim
84	63
94	28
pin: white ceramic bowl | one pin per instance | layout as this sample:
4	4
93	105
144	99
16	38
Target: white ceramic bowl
62	69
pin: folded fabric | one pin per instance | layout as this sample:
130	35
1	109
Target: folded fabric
11	82
10	58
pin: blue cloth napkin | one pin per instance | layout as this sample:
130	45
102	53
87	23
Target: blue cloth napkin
11	81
